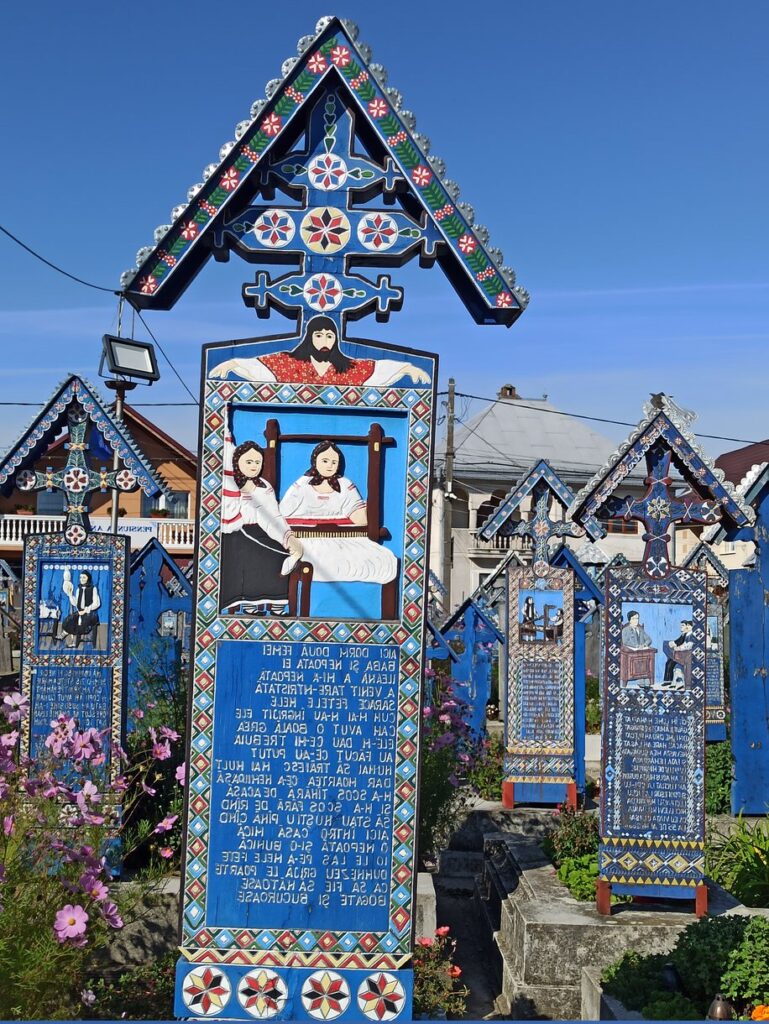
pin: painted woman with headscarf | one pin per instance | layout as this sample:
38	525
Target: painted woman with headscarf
259	549
325	499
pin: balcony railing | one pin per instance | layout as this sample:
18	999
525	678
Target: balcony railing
497	545
176	535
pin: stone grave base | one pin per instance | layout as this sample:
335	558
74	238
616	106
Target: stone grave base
540	937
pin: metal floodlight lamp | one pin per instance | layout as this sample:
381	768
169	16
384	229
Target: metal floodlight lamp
128	358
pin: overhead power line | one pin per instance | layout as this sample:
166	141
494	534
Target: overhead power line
53	266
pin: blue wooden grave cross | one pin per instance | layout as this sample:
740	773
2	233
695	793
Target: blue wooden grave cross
544	485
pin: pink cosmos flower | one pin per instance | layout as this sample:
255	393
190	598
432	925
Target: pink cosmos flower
8	825
170	734
8	739
111	915
16	706
71	922
166	824
181	774
138	713
166	852
93	887
161	751
446	719
148	789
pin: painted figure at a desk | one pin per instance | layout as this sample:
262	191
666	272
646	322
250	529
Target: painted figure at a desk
633	633
636	654
678	664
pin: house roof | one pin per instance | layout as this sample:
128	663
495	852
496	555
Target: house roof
330	57
735	464
505	438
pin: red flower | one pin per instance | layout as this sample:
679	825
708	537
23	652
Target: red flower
230	180
148	284
317	63
377	108
467	244
454	971
421	176
443	931
189	230
271	125
425	942
504	299
340	56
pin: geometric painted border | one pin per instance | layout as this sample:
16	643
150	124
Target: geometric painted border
308	948
633	857
539	761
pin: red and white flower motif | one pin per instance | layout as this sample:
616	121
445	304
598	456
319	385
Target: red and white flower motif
148	284
421	176
325	995
377	108
125	480
377	232
467	244
325	229
262	993
26	480
381	996
76	480
206	990
272	124
75	534
274	228
504	299
230	180
189	230
327	172
317	63
322	292
340	56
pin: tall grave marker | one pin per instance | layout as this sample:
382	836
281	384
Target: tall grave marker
748	646
653	743
73	647
473	626
702	557
542	719
311	583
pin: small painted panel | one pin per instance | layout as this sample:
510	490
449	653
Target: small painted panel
715	697
652	805
73	629
540	686
307	664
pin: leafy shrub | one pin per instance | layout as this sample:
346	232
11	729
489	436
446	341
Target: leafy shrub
739	860
670	1006
141	993
573	834
634	979
436	987
746	978
485	777
447	758
702	952
579	875
718	778
592	705
60	813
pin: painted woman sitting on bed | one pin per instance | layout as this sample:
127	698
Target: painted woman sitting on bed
258	547
323	497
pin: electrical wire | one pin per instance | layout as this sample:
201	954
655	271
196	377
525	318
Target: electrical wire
178	376
53	266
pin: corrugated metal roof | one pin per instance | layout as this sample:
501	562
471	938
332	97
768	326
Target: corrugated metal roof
505	438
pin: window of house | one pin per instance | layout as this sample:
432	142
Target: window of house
177	505
50	503
620	526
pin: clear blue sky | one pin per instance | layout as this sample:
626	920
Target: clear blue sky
617	152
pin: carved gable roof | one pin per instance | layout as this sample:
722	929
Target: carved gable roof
330	57
47	424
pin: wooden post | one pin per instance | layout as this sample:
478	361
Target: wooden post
571	796
701	900
603	897
508	795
